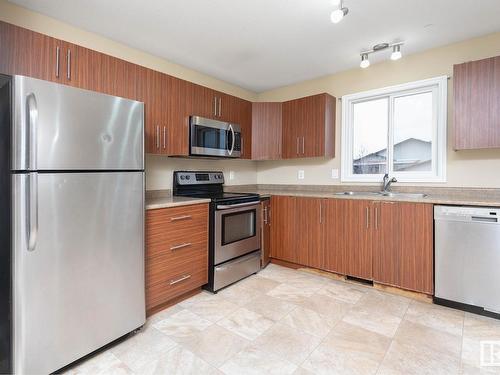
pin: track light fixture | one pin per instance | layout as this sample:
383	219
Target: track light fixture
395	55
365	63
338	14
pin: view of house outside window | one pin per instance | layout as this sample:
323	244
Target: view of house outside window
399	130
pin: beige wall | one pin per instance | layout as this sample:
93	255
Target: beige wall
159	170
478	168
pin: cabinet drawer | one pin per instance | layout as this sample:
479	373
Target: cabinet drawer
178	242
161	268
172	224
179	283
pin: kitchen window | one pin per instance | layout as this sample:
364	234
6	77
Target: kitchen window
399	130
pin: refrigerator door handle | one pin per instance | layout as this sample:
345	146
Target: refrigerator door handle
32	208
32	121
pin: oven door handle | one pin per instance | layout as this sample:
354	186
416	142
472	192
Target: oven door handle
229	206
230	128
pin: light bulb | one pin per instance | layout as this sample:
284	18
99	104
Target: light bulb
337	15
396	53
365	63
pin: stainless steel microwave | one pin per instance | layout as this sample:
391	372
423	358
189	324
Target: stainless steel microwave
209	137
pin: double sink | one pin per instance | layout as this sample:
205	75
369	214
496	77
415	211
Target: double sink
389	194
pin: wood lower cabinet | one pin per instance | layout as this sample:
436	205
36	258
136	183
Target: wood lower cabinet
176	252
283	242
265	238
296	230
358	237
309	127
403	249
416	263
476	90
334	212
388	242
266	131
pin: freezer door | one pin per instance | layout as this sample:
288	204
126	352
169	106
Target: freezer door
57	127
78	265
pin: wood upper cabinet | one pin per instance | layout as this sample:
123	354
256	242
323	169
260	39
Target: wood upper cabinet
179	101
244	120
358	233
25	52
266	131
333	213
476	87
386	242
309	127
417	247
151	89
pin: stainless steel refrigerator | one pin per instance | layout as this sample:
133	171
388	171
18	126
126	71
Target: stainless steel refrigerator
72	222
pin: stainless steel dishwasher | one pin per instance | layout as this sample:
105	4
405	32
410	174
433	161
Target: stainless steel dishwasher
467	256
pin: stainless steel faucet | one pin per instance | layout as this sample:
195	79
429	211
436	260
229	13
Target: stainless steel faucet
386	182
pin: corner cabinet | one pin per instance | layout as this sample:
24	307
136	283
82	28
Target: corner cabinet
476	87
309	127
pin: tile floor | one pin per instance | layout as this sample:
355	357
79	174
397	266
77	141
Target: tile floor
283	321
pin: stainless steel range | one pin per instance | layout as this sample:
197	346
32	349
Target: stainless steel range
234	246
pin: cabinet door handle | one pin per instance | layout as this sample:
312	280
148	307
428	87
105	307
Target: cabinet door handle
157	137
367	218
220	107
181	246
172	282
265	215
297	145
376	217
303	145
58	56
183	217
269	215
215	106
164	137
68	70
321	212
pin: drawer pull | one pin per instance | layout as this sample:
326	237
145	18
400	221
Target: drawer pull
181	246
184	217
173	282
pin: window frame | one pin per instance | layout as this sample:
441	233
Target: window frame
439	87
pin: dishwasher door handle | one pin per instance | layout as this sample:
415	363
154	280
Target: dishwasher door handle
483	219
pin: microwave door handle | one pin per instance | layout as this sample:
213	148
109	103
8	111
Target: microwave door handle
230	128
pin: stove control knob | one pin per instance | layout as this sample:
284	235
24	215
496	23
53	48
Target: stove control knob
182	177
188	177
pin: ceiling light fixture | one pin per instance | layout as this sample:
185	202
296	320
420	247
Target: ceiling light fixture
396	52
338	14
395	55
365	63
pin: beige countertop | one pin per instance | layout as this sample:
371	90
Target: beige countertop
170	201
465	197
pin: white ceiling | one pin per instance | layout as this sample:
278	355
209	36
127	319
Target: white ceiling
263	44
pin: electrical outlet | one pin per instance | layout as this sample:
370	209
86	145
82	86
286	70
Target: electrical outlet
335	173
231	175
301	174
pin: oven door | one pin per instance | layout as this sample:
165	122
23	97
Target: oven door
237	230
214	138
